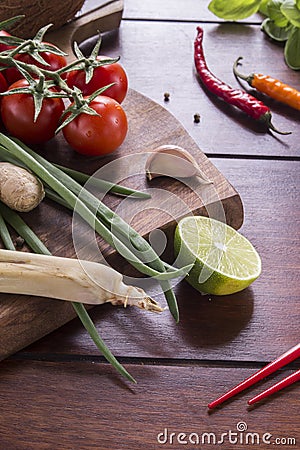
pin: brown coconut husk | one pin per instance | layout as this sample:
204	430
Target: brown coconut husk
38	13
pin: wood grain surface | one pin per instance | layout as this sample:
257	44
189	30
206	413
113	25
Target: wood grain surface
211	327
187	11
86	406
170	201
59	392
223	130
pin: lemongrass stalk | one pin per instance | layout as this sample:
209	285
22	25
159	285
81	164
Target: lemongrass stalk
40	248
69	279
41	170
5	235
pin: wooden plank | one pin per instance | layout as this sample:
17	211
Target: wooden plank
253	325
104	16
189	10
149	126
222	129
88	406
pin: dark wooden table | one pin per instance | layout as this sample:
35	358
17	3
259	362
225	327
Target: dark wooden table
59	393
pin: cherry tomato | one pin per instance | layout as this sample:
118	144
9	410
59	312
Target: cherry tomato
3	87
17	112
4	47
102	76
100	134
55	62
3	83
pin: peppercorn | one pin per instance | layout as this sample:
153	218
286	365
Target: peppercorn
20	242
196	117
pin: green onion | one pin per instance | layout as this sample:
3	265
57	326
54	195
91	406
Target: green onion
37	245
169	294
83	178
4	234
111	219
103	185
45	172
23	230
90	327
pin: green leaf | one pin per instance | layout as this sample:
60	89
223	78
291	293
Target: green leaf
263	7
38	58
292	49
275	14
277	33
96	49
77	51
99	92
41	32
8	23
89	72
234	9
38	103
23	90
44	47
11	40
298	3
291	11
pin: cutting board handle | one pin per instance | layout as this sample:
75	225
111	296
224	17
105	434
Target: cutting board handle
105	18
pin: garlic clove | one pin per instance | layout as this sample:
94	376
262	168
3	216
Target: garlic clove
173	161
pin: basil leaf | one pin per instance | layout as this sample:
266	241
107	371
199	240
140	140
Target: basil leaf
273	31
291	12
292	49
234	9
263	7
275	14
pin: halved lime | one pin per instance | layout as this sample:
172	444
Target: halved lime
223	260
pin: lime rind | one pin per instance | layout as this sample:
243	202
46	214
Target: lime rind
223	260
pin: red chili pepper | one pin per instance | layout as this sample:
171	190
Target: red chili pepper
237	97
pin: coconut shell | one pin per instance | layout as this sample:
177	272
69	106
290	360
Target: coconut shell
38	13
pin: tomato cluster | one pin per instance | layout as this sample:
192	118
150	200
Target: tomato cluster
97	132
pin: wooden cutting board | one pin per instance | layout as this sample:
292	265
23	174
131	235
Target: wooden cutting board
24	319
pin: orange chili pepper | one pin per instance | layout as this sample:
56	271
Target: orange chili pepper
271	86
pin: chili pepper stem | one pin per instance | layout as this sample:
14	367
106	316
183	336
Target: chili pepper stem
266	119
248	78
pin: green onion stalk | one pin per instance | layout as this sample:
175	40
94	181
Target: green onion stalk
82	178
86	205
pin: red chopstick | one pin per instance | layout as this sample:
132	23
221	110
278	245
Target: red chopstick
293	378
281	361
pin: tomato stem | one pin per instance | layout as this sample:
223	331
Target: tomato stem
40	88
20	47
